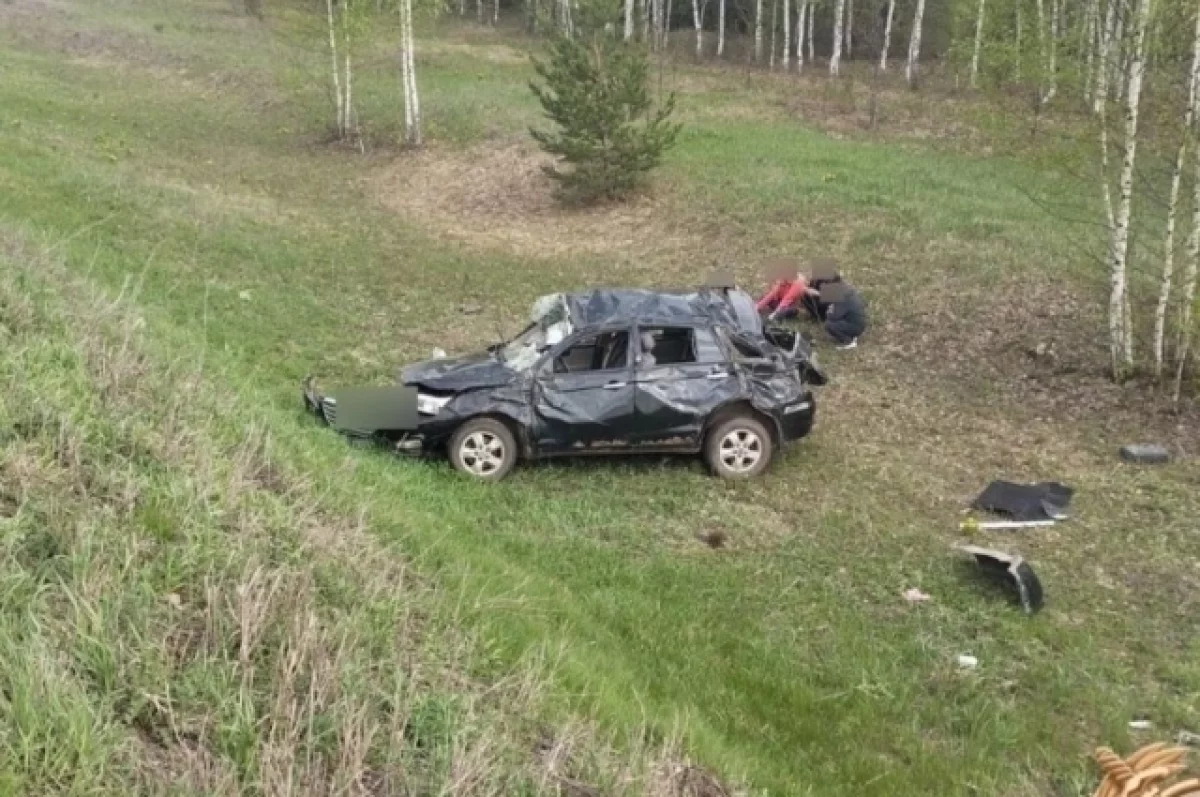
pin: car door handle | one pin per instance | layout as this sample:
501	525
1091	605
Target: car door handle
718	375
614	386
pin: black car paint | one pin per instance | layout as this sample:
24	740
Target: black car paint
659	408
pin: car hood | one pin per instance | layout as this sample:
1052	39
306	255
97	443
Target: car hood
458	373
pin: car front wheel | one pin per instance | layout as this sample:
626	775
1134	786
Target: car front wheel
484	448
738	448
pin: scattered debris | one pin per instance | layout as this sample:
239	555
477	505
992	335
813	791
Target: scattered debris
438	354
915	595
244	295
1140	725
713	539
470	309
966	662
174	599
1014	571
972	525
1188	738
1145	773
1025	502
1145	453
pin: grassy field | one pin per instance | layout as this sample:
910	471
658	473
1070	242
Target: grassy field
202	586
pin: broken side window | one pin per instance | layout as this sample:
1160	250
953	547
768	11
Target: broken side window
598	351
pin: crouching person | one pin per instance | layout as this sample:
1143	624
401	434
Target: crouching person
845	313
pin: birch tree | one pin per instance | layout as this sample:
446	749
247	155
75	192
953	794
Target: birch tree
1119	321
408	77
835	58
887	35
787	42
849	28
698	19
912	68
812	12
1183	348
1164	294
339	99
721	28
341	22
758	30
978	42
628	20
801	12
774	26
1103	56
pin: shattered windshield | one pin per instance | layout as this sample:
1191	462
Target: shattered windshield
550	325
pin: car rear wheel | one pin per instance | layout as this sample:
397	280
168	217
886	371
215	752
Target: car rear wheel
738	448
483	448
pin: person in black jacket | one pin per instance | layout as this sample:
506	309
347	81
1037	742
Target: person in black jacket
822	272
845	313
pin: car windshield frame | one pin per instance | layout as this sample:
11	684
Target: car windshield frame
550	326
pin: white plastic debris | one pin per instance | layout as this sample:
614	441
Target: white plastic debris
914	595
244	295
1141	725
966	662
438	354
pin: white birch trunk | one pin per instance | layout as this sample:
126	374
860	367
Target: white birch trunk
1041	40
348	105
699	22
774	25
758	30
787	35
812	50
628	20
1052	66
408	77
1103	55
887	35
479	11
802	13
337	72
1183	347
721	28
835	57
849	26
1164	294
912	68
462	8
1118	54
1119	321
978	45
496	13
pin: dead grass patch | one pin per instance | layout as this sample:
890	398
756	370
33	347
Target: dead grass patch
497	197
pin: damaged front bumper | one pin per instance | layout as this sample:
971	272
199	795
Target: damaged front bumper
387	415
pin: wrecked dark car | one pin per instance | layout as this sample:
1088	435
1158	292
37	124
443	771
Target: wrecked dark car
601	372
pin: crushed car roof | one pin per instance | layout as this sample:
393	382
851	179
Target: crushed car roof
616	306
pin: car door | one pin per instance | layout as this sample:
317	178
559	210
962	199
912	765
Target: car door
583	394
683	377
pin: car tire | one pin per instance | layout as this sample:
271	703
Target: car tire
483	448
738	448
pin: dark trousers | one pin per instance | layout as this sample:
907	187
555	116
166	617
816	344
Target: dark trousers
844	330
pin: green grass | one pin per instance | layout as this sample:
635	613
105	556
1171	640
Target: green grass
788	662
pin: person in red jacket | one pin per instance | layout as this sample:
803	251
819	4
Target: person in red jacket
788	292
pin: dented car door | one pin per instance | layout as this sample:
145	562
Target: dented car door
684	376
583	394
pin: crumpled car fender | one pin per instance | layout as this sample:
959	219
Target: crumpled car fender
510	403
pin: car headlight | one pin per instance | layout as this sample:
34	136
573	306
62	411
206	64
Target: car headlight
431	405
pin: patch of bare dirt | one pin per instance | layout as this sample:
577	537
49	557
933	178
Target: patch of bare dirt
496	196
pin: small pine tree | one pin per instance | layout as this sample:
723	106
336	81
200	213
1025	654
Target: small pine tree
596	92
